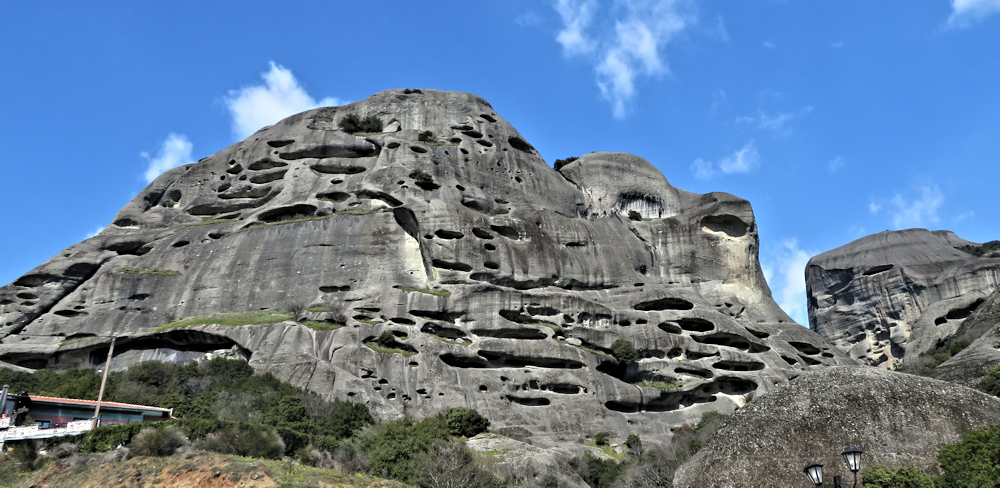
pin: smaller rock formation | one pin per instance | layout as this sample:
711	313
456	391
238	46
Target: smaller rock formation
897	419
982	328
888	297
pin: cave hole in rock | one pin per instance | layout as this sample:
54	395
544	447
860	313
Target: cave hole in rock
332	151
695	355
383	381
489	247
449	265
268	177
392	145
670	328
529	401
483	388
125	222
488	117
418	149
335	196
827	354
789	360
35	280
27	296
223	187
291	212
542	310
473	133
877	269
576	244
454	140
651	354
523	333
216	235
730	225
246	192
235	169
701	373
180	243
131	248
338	169
563	388
336	181
458	361
139	296
813	362
675	353
448	234
667	303
480	233
696	325
484	142
394	344
178	345
266	164
624	323
500	359
280	142
622	407
519	144
758	333
442	315
732	340
641	321
243	177
733	365
491	265
506	231
334	289
804	347
403	321
964	312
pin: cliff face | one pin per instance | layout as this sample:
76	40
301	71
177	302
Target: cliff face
467	270
888	297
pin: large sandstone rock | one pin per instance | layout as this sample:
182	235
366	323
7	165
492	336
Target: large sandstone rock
982	328
897	419
888	297
504	282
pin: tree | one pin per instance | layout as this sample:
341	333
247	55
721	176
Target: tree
623	351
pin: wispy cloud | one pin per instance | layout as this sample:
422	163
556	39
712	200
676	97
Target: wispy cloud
919	210
964	13
776	123
175	151
744	160
836	163
280	95
784	268
528	19
633	48
769	44
97	230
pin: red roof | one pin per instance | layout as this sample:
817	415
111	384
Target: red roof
74	401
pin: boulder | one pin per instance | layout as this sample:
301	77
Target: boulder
415	275
886	298
897	419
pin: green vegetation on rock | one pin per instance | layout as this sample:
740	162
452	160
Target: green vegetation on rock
149	271
232	319
353	124
437	293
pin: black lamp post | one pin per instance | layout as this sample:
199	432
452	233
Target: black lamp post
852	456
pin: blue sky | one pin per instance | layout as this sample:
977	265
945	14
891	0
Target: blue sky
835	119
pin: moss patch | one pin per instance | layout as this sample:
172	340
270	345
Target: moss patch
319	325
149	271
387	350
231	319
659	384
437	293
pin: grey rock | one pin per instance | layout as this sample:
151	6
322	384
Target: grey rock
897	419
982	328
504	282
886	298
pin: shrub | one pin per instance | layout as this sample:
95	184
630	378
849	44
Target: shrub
426	136
633	442
351	123
623	351
633	215
250	440
973	460
905	477
597	472
991	382
158	441
465	422
450	464
106	438
563	162
392	446
601	439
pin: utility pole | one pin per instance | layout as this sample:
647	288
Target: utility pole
100	395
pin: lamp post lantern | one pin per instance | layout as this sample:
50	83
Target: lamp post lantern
852	456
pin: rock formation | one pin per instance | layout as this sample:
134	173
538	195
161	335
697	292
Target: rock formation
982	328
888	297
467	271
897	419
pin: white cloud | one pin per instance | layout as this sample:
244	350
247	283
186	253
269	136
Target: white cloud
769	44
719	31
745	160
965	12
917	211
836	163
774	123
175	151
785	274
642	28
97	230
528	19
968	214
256	106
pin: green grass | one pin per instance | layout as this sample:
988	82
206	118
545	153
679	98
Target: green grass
319	309
149	271
209	222
358	212
231	319
437	293
283	222
387	350
610	451
659	384
549	325
66	342
369	321
317	325
595	351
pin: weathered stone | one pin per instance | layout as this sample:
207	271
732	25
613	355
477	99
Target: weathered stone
897	419
888	297
504	282
982	328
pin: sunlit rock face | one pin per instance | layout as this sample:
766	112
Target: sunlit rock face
982	329
888	297
502	283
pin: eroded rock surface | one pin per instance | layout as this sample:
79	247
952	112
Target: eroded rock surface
502	282
982	328
888	297
897	419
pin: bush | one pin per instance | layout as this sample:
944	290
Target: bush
601	439
597	472
426	136
465	422
393	446
991	382
450	464
633	215
351	124
905	477
250	440
624	351
973	461
563	162
106	438
158	441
